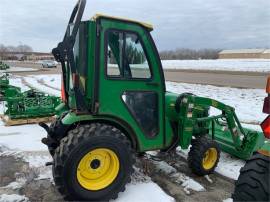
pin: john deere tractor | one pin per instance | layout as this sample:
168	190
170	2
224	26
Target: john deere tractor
116	105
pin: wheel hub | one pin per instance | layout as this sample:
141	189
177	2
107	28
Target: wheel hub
98	169
95	164
210	158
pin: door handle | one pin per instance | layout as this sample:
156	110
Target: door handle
152	83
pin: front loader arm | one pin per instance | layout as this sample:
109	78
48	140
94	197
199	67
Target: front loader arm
228	113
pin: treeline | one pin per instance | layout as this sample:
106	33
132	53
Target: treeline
22	48
6	50
189	54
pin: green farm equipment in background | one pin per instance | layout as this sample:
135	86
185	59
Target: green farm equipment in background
29	107
3	66
116	105
25	107
7	90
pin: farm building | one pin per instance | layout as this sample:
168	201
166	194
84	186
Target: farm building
245	54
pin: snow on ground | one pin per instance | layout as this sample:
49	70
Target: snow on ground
246	65
13	198
146	192
229	166
33	82
248	103
228	200
16	81
186	182
53	80
18	69
22	137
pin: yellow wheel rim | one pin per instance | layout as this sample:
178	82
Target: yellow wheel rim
210	158
98	169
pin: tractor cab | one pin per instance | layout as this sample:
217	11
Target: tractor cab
111	69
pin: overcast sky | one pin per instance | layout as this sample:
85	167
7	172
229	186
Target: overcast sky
177	23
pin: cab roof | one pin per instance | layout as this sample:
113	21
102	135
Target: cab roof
146	25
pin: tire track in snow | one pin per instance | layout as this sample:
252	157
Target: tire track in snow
174	176
34	84
41	81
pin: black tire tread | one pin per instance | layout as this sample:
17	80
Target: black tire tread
68	143
196	153
253	181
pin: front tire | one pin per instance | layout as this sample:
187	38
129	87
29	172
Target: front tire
253	181
203	156
93	163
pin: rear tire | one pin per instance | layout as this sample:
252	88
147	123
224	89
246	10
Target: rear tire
203	156
85	147
253	181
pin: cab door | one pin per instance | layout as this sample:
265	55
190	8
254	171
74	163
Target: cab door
131	84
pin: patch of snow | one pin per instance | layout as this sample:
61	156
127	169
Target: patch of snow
252	127
33	83
228	200
164	167
45	173
16	81
186	182
13	198
53	80
192	184
146	192
229	166
37	160
245	65
208	179
182	152
23	137
139	176
15	185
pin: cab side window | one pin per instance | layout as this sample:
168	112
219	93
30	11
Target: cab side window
126	57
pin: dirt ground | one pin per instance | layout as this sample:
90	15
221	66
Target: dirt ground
15	168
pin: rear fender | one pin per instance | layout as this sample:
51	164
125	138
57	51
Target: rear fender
72	120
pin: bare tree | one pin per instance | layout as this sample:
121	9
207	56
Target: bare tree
24	48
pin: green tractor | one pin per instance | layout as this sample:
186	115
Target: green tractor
116	105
